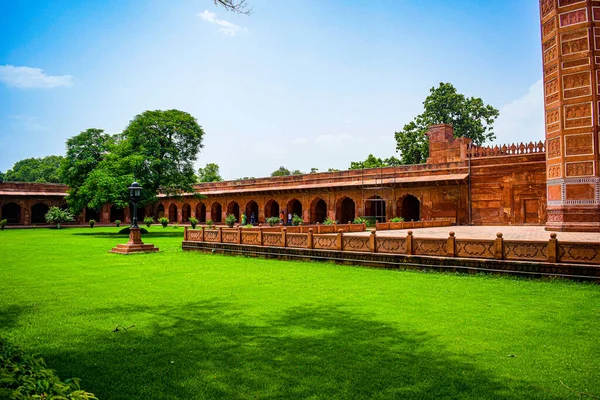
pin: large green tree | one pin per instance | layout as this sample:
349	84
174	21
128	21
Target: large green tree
158	149
469	116
281	171
85	152
210	173
46	169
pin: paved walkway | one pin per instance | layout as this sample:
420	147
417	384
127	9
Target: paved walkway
489	232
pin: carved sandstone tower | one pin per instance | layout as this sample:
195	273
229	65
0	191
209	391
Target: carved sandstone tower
571	60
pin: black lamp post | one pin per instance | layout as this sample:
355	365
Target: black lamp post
135	194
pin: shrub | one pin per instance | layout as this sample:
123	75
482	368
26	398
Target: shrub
148	221
359	220
397	219
3	224
210	223
230	220
118	222
164	221
272	221
92	222
57	216
329	221
26	376
296	220
193	222
248	226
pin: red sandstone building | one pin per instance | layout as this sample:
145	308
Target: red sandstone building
516	184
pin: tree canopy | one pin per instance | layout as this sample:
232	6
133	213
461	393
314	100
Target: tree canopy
158	149
374	162
469	116
281	171
210	173
43	170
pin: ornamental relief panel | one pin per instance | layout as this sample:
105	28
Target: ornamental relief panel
547	6
553	120
550	43
564	3
573	17
577	85
580	168
554	148
549	27
550	54
550	70
578	115
577	145
596	13
551	90
576	63
554	171
574	42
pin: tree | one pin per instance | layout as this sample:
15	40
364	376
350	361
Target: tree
314	170
85	151
1	176
237	6
374	162
282	171
57	216
45	170
210	173
333	170
297	172
469	116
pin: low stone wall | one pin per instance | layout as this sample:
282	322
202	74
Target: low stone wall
551	251
385	226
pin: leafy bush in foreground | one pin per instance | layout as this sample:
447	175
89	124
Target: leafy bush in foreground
26	376
230	220
397	219
193	222
148	221
164	221
359	220
57	216
329	221
272	221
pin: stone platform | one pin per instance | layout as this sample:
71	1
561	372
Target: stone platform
135	244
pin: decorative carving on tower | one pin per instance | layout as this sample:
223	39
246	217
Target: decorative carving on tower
570	32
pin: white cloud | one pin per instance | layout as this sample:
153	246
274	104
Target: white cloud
523	119
226	27
29	78
300	140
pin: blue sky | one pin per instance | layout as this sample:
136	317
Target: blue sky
306	83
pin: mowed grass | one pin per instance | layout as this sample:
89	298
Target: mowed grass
215	327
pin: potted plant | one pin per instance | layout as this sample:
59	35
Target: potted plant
164	221
3	224
193	222
118	222
92	222
230	220
148	221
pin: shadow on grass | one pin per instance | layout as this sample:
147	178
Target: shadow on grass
203	350
9	315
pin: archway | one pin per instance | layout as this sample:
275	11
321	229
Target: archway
295	207
216	212
172	213
90	213
234	208
252	208
38	213
410	208
346	210
116	214
12	213
201	212
271	209
186	212
160	210
319	210
375	207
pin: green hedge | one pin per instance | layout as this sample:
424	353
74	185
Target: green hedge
26	376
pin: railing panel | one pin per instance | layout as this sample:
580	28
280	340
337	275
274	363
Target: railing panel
430	247
272	239
475	248
250	237
396	245
572	252
194	235
297	240
211	235
230	236
327	242
356	243
526	251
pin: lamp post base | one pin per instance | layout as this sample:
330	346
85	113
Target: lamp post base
135	244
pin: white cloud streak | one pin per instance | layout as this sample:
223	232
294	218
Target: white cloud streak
32	78
226	27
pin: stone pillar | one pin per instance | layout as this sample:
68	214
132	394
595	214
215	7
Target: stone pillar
571	62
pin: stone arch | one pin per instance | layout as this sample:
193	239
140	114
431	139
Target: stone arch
216	212
201	212
172	212
160	210
375	206
271	209
252	208
409	208
186	212
12	213
345	210
116	214
234	208
91	213
294	206
38	213
318	210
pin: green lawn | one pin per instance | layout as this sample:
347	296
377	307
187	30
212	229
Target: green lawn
212	326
